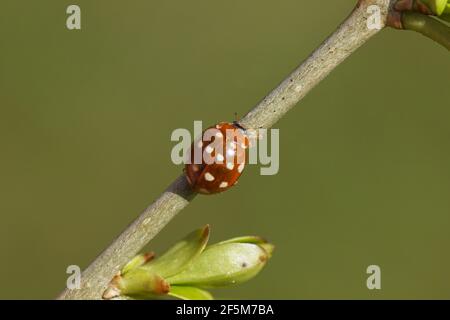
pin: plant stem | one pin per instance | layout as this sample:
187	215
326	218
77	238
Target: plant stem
349	36
97	276
428	26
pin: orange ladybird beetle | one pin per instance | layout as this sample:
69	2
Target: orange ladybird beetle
217	158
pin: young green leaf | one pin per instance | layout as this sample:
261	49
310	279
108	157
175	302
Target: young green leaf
141	283
243	239
189	266
250	239
137	261
268	247
181	254
437	6
446	14
223	265
189	293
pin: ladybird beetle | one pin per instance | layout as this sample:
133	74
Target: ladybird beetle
217	158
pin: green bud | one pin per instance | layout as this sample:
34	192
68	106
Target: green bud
181	254
268	247
137	261
190	265
446	14
141	282
189	293
223	265
244	239
436	6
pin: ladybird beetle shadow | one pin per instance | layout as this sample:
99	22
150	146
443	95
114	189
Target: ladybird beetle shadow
182	188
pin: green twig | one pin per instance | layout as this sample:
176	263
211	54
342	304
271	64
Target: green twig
428	26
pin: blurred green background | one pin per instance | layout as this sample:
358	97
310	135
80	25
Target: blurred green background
86	118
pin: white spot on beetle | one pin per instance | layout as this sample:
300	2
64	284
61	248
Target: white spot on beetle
223	185
252	134
209	177
220	157
230	165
